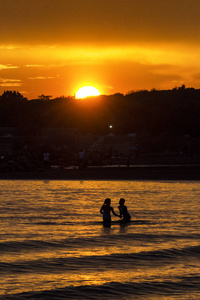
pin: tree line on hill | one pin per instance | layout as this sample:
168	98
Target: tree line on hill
173	112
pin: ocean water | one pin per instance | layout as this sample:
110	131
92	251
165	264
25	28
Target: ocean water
53	244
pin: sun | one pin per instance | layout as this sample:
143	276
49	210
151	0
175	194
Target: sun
87	91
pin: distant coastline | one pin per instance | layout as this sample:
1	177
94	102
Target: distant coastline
137	172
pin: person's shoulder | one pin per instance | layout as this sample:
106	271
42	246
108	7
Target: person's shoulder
124	208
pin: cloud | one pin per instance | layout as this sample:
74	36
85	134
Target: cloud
23	92
8	66
9	47
109	87
10	82
41	77
34	66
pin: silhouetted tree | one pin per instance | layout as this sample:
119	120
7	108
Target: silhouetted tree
12	96
44	97
151	113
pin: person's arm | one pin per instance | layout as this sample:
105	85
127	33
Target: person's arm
114	212
101	210
120	213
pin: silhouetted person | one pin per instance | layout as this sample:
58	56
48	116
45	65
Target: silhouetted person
105	210
128	161
24	161
46	157
124	214
81	158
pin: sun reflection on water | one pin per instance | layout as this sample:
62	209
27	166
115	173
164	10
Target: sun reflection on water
52	234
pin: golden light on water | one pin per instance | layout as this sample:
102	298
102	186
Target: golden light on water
69	248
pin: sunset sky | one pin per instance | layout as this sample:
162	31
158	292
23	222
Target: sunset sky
54	47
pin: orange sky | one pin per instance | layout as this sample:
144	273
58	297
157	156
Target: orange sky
54	47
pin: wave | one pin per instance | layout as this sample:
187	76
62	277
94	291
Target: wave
84	242
126	261
116	290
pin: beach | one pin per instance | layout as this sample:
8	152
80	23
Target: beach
135	172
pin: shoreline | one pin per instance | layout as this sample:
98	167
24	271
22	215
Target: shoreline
136	172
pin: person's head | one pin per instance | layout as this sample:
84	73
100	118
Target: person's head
121	201
107	201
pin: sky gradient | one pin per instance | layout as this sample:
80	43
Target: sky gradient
54	47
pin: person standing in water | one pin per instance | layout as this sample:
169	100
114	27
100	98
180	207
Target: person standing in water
124	212
106	209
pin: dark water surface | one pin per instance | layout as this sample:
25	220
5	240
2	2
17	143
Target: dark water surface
53	244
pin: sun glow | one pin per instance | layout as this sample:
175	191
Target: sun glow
87	91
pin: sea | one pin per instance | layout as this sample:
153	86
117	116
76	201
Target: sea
53	244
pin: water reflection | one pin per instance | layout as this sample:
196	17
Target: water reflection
52	235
